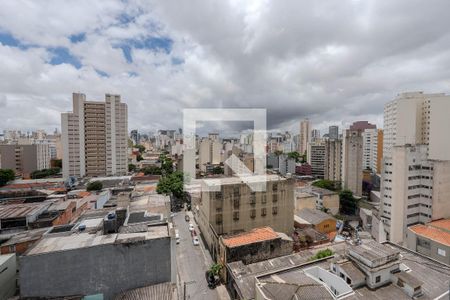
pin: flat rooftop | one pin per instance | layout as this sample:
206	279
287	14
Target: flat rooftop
243	179
375	252
86	240
434	275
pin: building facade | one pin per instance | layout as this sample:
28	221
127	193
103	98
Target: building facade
415	178
94	137
24	159
235	208
333	160
352	159
305	135
315	156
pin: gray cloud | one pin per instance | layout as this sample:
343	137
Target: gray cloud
332	61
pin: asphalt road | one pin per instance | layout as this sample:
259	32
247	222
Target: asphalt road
192	262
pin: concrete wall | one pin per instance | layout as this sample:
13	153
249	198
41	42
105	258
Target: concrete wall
8	270
435	250
107	269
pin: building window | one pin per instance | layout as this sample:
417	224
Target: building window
378	279
275	187
253	213
236	215
274	210
218	195
441	252
253	198
236	203
263	212
423	243
236	192
263	198
274	198
218	219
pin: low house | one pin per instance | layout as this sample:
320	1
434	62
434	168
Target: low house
19	216
432	239
316	219
20	242
253	246
316	198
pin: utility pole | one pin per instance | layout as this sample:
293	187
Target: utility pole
184	288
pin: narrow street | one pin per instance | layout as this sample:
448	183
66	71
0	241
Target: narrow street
192	262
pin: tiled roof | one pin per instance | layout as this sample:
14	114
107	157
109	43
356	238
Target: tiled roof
253	236
435	231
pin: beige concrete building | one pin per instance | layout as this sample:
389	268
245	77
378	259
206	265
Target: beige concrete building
235	208
352	161
94	137
333	160
24	159
415	180
210	152
316	198
305	136
370	150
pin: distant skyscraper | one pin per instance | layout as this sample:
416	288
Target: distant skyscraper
134	135
315	135
94	137
352	156
333	159
333	132
316	158
305	135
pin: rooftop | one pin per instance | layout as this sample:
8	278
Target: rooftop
242	179
313	216
162	291
287	269
253	236
25	236
438	231
21	210
85	240
375	252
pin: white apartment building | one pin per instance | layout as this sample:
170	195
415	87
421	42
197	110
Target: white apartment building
210	152
370	149
305	135
415	185
95	137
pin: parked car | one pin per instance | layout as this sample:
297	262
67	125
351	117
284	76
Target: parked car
195	241
177	237
191	226
186	218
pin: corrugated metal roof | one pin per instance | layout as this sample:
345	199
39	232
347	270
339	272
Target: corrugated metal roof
162	291
21	210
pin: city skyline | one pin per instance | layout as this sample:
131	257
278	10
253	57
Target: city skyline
160	60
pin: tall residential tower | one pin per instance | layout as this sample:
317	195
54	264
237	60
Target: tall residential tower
94	137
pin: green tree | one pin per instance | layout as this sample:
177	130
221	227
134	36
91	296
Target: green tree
131	168
215	269
139	157
171	184
322	254
58	163
45	173
152	170
278	152
141	148
166	164
327	184
294	155
6	175
217	170
94	186
347	203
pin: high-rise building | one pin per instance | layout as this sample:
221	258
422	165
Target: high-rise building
134	135
305	136
415	178
24	159
352	157
370	149
94	137
315	156
315	135
333	132
333	159
210	152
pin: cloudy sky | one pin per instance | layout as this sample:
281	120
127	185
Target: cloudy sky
332	61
